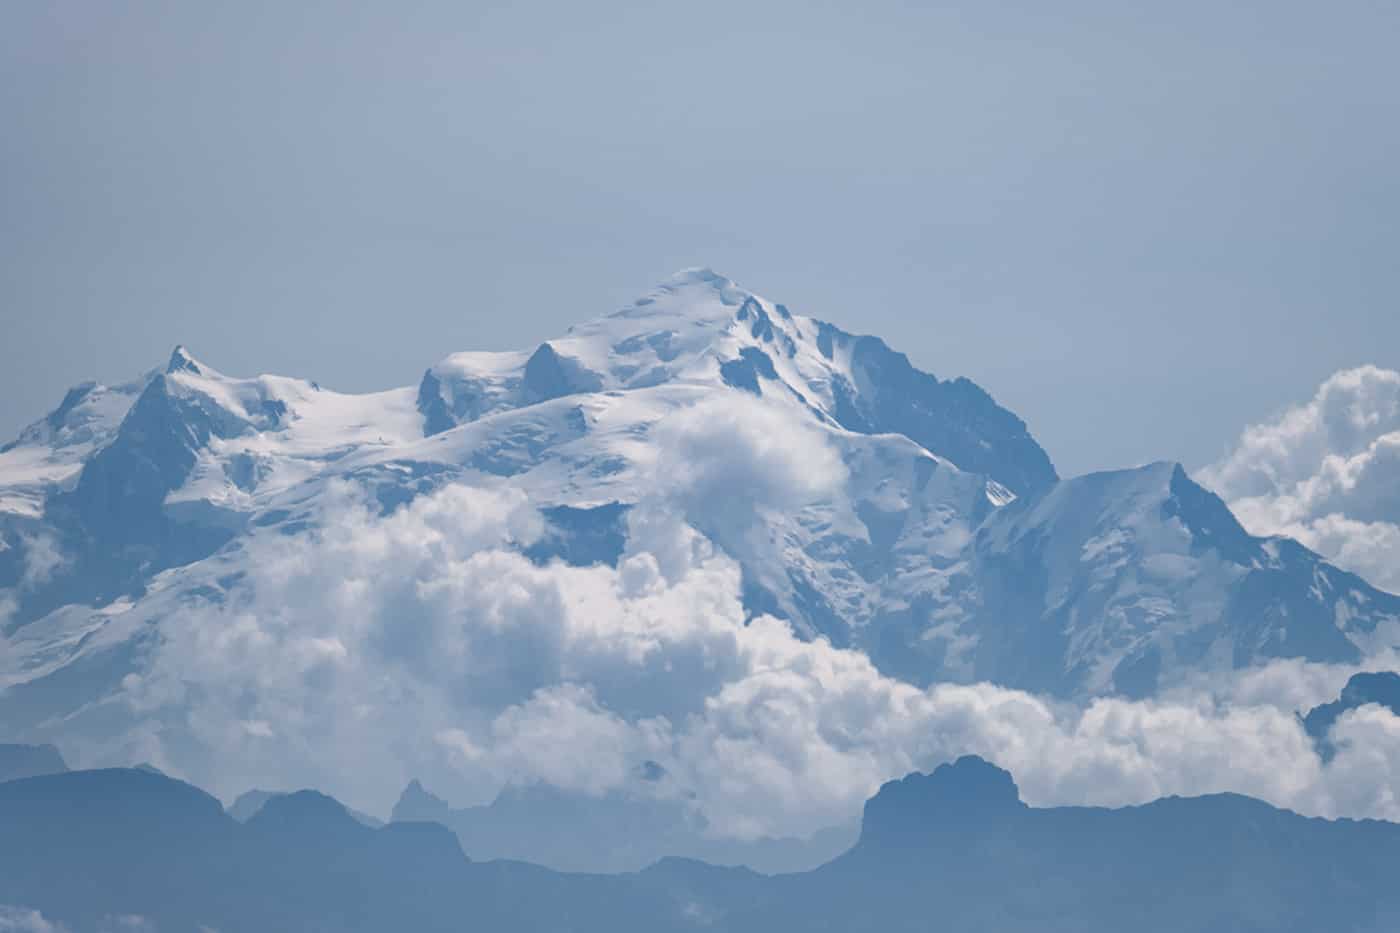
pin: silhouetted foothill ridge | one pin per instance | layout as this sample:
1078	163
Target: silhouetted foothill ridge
114	799
954	850
251	803
967	794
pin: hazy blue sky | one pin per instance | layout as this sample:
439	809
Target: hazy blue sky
1138	225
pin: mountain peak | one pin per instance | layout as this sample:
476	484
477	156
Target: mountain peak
698	275
968	793
305	811
182	361
703	283
418	804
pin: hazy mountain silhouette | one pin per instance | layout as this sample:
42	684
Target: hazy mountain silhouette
614	832
955	849
250	803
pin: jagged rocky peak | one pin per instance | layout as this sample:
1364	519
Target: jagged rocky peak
417	804
91	414
182	361
162	436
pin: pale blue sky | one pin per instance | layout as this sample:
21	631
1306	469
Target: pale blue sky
1137	225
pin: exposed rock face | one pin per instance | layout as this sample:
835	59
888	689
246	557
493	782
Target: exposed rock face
1379	687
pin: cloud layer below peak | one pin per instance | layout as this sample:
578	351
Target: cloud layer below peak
380	648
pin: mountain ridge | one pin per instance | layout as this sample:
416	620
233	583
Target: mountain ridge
956	846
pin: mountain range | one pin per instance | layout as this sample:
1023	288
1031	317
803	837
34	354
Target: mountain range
955	849
862	503
950	550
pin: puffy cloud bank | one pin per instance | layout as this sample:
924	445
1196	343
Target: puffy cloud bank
1326	473
375	648
423	644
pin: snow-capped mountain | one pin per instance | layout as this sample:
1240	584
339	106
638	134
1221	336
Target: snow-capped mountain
1127	579
51	451
933	532
700	329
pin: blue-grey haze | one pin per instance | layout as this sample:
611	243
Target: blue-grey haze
1138	225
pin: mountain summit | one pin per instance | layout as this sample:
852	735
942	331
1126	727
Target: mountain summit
700	330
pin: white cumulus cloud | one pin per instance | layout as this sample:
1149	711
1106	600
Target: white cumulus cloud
376	649
733	452
1326	473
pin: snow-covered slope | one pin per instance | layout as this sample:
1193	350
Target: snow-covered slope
922	524
50	452
700	329
1121	582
